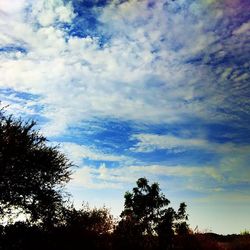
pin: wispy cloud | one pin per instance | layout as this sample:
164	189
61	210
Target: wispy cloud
243	29
77	153
120	177
152	142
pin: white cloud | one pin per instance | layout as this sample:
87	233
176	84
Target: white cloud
85	177
244	28
120	177
13	6
47	12
151	142
179	171
77	153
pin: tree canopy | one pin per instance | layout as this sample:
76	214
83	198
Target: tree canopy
32	174
97	220
145	205
146	212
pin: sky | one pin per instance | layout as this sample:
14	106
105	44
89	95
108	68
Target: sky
138	88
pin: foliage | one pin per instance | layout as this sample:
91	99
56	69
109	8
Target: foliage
146	209
97	220
90	228
144	206
32	174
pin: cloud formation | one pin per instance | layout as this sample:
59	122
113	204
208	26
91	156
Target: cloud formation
139	74
120	177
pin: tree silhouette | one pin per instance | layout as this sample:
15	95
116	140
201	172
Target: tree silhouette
146	212
145	205
32	174
96	220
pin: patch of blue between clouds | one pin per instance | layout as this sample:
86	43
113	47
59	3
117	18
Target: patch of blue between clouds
21	95
13	48
86	21
98	163
116	137
225	133
107	135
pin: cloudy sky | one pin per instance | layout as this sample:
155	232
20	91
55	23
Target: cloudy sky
138	88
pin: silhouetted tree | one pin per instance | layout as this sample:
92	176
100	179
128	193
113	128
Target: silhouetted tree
97	220
127	235
147	213
90	228
181	226
32	174
144	205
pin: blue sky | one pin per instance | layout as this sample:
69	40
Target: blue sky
138	88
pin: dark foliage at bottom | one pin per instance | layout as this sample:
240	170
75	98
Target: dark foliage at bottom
22	236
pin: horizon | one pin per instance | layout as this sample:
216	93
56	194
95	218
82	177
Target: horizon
130	89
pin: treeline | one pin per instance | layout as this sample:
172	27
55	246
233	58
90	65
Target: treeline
22	235
32	179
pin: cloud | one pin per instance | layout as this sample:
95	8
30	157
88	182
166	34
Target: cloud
50	12
152	142
236	168
139	73
77	153
228	174
244	28
14	6
121	176
180	171
85	177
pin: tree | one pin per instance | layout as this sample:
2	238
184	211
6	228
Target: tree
145	205
32	174
147	208
96	220
87	227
